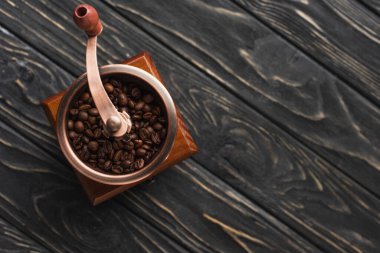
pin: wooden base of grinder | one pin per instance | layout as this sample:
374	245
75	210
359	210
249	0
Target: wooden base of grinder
184	145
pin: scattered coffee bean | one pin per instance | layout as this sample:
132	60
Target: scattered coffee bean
94	145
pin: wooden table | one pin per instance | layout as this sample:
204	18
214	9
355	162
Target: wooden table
281	96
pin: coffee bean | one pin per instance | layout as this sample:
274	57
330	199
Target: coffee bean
117	169
83	115
131	104
89	133
73	134
109	88
156	110
140	152
138	143
157	126
93	112
139	164
117	155
122	99
84	107
139	105
93	146
148	98
79	126
70	124
155	138
92	120
74	112
147	115
144	133
136	93
129	146
116	83
85	96
107	165
146	108
126	164
97	133
85	139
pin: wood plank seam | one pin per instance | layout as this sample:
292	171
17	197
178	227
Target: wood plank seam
255	108
327	68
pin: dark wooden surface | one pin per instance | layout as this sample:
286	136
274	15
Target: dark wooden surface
282	98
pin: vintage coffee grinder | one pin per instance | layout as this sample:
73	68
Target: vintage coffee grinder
176	146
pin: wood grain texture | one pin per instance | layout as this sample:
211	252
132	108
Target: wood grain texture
51	208
12	240
244	56
343	35
222	220
373	5
243	148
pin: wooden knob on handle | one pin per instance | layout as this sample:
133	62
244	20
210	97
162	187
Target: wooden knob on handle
87	18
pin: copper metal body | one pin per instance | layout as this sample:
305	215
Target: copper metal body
102	177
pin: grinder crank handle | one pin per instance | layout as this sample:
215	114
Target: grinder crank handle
115	122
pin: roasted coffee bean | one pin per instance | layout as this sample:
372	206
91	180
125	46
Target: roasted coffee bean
93	112
84	107
148	98
122	99
144	134
163	133
116	83
138	143
93	146
97	148
109	88
89	133
131	104
85	96
140	104
79	126
129	146
118	155
152	119
97	133
117	169
83	115
107	165
92	120
73	134
70	124
155	138
157	126
139	164
136	93
147	108
85	139
105	134
126	164
74	112
140	152
156	110
133	136
147	115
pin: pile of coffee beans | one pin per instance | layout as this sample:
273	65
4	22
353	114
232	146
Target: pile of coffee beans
93	144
